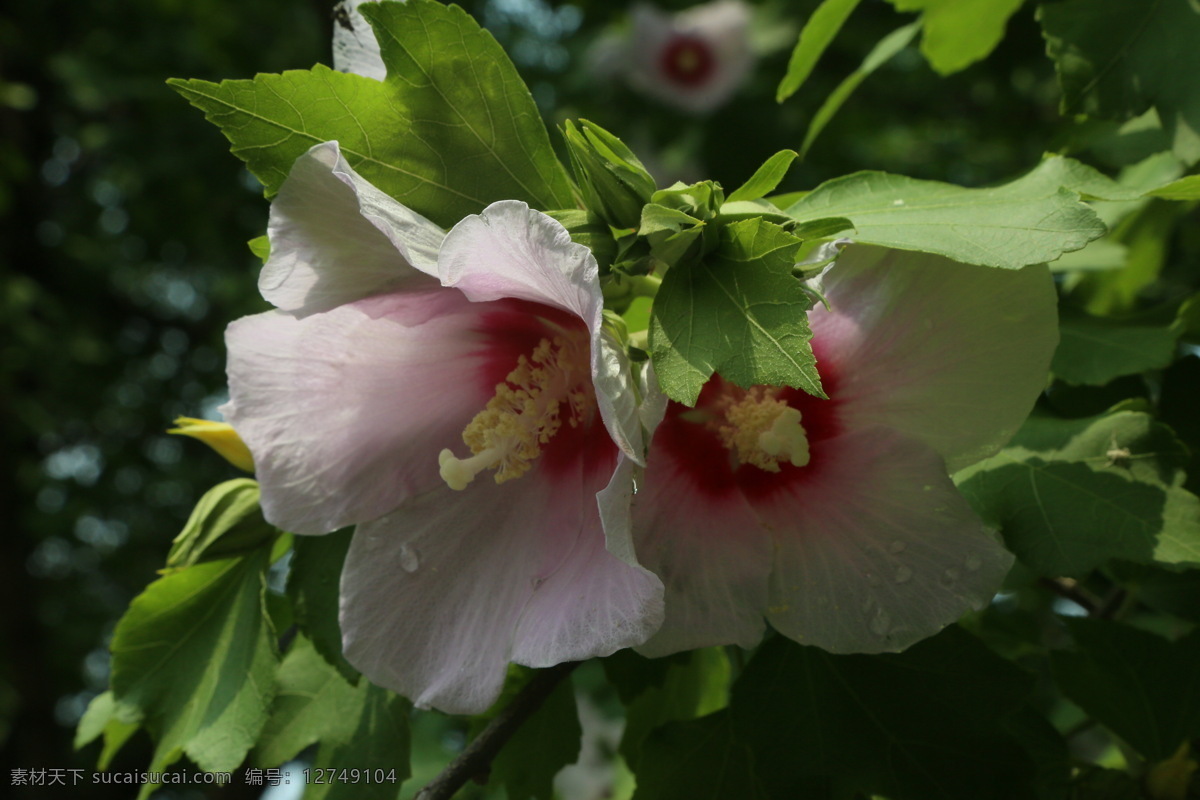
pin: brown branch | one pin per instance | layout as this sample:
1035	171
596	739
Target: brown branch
476	759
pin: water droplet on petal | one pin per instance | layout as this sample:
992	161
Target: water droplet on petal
949	577
867	602
881	623
897	547
973	563
903	574
409	558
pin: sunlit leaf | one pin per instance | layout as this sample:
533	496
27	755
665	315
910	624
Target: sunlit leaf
364	725
765	178
445	136
818	32
1030	220
194	660
959	32
1069	495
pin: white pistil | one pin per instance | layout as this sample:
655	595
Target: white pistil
763	430
458	472
547	386
786	438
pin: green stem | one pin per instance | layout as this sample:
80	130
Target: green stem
644	285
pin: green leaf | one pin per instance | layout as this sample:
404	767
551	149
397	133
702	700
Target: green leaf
690	689
272	120
1069	495
1142	687
822	228
959	32
1146	235
1183	189
631	674
445	136
378	738
1117	58
545	743
467	102
100	719
315	704
1031	220
194	659
880	54
261	247
590	231
669	232
739	312
697	760
1095	350
702	200
1102	254
816	36
312	701
313	587
765	178
1167	590
227	521
923	724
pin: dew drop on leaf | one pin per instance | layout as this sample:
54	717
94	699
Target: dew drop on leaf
409	559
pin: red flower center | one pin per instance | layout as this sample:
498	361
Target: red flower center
543	406
704	446
688	60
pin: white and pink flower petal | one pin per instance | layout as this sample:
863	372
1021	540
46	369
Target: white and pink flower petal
511	251
335	238
707	546
436	604
346	411
876	549
952	354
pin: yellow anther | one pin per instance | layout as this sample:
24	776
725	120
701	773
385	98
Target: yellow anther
525	413
764	431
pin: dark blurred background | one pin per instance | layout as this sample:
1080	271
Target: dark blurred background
122	258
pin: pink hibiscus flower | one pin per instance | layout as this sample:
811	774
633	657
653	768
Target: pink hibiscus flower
835	519
694	60
460	402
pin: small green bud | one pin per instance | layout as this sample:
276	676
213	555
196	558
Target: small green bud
613	181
